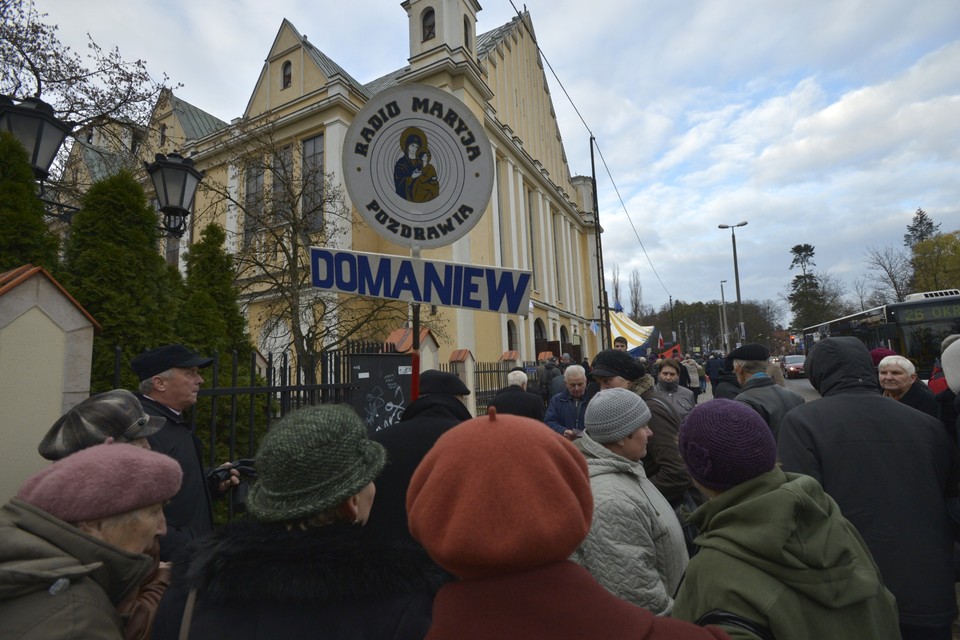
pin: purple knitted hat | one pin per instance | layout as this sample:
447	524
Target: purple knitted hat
103	481
879	354
725	443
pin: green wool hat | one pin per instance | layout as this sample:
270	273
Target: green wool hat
312	460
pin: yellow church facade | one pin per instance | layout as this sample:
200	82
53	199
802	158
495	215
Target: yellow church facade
274	181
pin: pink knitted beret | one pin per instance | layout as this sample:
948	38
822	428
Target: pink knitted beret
102	481
500	494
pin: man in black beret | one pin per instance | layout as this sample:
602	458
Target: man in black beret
760	391
169	382
438	409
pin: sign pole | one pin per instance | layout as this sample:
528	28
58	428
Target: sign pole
415	254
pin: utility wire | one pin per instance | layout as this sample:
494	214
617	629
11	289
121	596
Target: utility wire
587	127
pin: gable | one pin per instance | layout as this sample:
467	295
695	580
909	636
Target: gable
294	69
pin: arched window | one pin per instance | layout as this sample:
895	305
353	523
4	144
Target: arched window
428	24
564	337
466	33
286	75
539	331
511	335
163	134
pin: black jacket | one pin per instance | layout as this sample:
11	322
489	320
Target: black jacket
727	386
888	466
921	398
516	401
407	442
189	514
260	581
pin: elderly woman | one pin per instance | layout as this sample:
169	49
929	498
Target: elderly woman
118	415
506	528
303	566
898	380
72	541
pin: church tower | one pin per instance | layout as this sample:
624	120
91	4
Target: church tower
442	32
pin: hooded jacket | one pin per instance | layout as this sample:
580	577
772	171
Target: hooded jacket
776	551
58	582
635	547
889	467
259	580
423	421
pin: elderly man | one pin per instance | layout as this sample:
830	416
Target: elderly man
891	469
565	411
169	382
516	400
760	390
635	547
72	541
668	383
898	380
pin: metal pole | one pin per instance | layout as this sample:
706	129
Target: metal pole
723	320
736	277
606	332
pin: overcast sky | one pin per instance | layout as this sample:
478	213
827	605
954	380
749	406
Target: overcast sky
826	122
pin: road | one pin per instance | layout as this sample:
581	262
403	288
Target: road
803	387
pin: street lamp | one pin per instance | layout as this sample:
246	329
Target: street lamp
736	273
33	124
723	319
175	180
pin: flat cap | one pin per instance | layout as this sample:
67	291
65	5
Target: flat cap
749	351
610	363
150	363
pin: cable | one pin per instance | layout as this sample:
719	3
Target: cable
587	127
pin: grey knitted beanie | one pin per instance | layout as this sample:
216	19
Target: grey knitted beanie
613	414
312	460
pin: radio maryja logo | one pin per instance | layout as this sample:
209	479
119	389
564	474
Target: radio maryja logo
418	166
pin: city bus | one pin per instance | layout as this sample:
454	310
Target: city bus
913	328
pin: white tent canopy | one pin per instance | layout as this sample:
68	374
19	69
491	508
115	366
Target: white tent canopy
621	325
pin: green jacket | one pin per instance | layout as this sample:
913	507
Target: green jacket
58	582
777	551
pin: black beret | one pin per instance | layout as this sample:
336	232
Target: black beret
433	381
750	351
611	362
150	363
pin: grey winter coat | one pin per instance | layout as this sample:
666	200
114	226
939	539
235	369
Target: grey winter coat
770	400
635	547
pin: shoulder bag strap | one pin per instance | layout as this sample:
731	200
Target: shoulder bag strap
188	615
721	617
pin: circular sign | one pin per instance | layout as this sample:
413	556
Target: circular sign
418	166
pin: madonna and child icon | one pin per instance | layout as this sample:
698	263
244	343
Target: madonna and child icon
414	177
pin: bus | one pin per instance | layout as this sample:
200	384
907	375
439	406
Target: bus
913	328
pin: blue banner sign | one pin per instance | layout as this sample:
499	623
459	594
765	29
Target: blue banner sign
445	284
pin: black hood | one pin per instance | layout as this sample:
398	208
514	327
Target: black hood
835	365
436	405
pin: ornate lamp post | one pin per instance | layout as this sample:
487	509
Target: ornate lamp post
33	124
175	180
736	275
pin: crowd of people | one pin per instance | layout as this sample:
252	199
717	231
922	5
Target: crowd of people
608	499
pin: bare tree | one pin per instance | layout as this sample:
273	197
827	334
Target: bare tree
285	205
616	286
834	294
98	87
890	270
636	297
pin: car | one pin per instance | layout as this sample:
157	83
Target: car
792	367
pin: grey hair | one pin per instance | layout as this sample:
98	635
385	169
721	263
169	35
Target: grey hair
574	370
898	361
518	378
146	386
751	367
